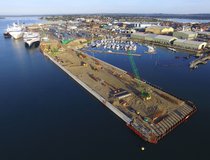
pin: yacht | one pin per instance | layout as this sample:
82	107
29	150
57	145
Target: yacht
16	31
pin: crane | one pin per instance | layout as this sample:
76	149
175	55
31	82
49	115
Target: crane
144	94
134	68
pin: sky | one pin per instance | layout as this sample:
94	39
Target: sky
39	7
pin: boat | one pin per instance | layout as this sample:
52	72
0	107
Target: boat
172	49
7	35
30	35
151	49
16	31
31	38
117	47
32	41
93	44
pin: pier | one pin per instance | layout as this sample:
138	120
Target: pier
111	52
201	60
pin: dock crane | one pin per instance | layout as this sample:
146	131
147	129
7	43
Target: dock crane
144	94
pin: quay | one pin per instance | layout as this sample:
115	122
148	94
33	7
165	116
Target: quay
101	99
113	52
147	110
201	60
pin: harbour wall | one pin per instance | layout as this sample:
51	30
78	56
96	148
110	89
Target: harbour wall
96	95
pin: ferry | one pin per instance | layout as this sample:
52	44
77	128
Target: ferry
16	31
31	38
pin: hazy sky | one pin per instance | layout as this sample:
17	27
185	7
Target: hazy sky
11	7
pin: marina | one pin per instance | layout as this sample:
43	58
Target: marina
115	44
110	52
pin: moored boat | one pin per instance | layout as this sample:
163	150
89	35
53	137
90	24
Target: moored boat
151	49
7	35
172	49
31	38
16	31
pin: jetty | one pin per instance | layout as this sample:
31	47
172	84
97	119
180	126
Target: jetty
111	52
201	60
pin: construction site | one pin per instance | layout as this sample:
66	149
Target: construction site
147	110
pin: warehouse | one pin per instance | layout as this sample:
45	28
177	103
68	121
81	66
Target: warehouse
164	39
203	36
192	45
159	30
188	35
143	36
150	37
139	35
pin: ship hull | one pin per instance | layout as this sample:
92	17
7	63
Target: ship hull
16	35
31	43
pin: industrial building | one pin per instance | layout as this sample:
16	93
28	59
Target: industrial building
192	45
141	25
188	35
163	39
159	30
170	40
143	36
205	37
139	35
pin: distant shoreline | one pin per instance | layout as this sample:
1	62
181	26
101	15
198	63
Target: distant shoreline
203	16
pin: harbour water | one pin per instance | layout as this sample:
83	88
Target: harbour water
44	114
181	20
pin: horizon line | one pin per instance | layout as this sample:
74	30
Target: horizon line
66	14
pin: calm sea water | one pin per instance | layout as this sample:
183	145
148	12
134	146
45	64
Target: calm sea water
181	20
44	114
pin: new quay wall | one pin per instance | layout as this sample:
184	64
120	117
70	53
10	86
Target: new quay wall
96	95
